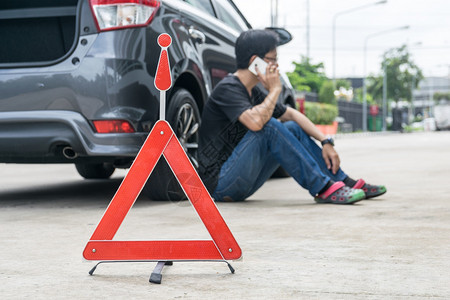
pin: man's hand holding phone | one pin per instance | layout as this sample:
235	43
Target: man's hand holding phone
270	79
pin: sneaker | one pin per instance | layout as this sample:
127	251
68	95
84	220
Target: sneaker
371	191
339	193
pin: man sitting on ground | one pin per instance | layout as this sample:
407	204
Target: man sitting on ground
245	135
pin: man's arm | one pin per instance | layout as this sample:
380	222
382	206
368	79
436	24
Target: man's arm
256	117
328	152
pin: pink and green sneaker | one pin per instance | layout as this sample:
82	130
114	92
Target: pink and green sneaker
370	191
339	193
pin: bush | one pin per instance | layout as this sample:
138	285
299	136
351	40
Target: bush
326	93
321	113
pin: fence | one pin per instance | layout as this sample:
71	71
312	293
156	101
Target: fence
351	112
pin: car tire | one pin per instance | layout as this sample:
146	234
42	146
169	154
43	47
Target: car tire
95	171
184	117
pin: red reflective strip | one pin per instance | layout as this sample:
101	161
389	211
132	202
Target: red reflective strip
151	250
163	79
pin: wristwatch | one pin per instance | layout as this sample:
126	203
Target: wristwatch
328	141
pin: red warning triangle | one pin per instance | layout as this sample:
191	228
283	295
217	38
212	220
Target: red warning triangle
162	141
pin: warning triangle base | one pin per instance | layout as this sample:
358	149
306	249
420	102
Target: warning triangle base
156	276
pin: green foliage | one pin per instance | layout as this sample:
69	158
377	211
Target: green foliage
441	96
326	93
343	83
306	76
298	83
374	89
321	113
409	129
359	97
402	74
418	118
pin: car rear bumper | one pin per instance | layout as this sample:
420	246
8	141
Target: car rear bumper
40	136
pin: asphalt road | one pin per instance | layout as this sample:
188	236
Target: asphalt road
394	247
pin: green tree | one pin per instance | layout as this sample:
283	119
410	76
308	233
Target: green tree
402	74
326	93
358	96
307	76
441	96
374	89
343	83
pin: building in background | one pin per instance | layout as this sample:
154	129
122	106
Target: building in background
423	102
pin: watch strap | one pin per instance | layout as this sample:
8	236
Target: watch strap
327	141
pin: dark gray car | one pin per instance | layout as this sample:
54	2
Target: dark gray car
76	78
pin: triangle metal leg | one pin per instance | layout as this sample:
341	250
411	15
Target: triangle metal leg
156	276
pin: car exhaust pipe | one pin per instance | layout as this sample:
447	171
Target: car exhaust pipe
69	153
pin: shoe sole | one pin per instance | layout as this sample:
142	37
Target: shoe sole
373	196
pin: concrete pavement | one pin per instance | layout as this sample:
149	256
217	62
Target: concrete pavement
393	247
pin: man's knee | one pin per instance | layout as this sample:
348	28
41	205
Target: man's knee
294	128
271	128
275	127
291	125
273	124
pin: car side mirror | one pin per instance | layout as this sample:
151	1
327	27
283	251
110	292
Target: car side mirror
283	35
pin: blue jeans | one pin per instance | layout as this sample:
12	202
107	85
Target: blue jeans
260	153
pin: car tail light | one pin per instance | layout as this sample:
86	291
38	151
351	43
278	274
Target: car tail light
113	126
117	14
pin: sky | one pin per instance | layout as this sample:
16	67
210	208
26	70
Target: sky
428	36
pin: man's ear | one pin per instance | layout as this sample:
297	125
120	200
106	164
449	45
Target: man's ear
251	59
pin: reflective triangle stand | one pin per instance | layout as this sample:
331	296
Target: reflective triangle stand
156	276
162	141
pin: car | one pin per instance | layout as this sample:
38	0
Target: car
441	112
77	79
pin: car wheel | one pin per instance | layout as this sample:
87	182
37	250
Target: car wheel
95	171
184	117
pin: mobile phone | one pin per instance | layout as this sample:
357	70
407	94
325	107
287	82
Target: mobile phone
262	65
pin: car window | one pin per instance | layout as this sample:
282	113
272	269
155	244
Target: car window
228	14
203	5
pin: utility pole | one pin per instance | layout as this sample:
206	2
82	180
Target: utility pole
413	83
274	13
307	29
384	96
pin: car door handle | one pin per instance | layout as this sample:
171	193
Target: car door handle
197	34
